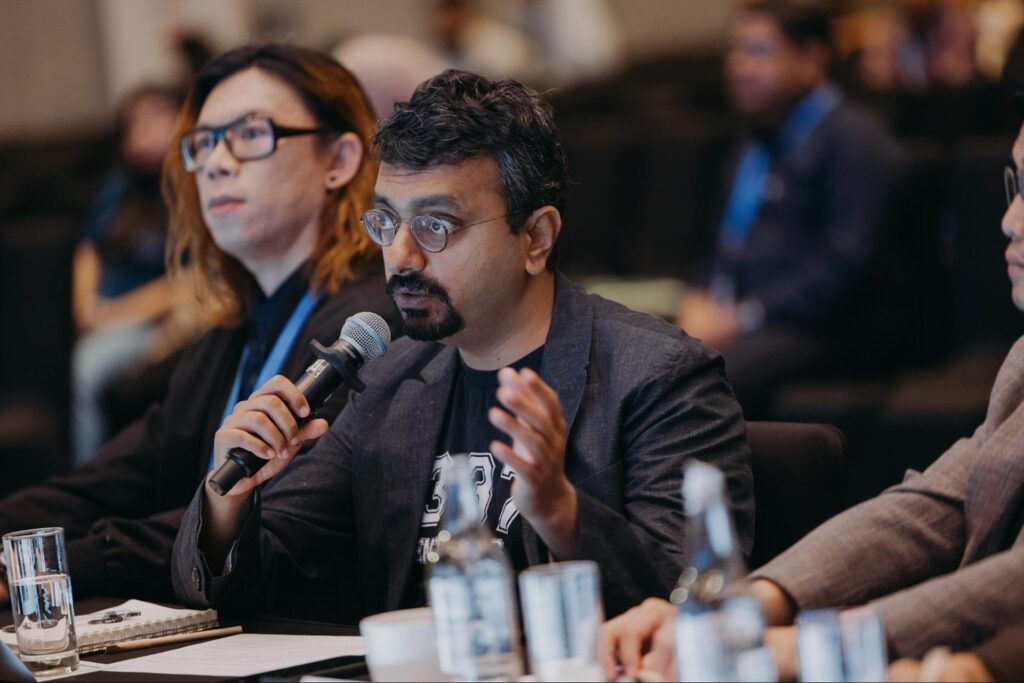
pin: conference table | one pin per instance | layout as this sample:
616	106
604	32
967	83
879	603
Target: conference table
341	667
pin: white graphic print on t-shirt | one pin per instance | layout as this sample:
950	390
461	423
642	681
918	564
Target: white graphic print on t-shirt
484	468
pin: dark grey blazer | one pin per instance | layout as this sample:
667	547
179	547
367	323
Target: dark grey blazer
335	537
940	556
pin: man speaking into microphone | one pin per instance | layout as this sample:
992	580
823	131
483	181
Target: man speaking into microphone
577	413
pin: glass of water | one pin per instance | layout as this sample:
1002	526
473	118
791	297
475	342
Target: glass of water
820	646
563	615
841	646
864	650
44	612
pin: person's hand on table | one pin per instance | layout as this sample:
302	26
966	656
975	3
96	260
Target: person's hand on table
536	423
962	666
702	317
782	640
641	639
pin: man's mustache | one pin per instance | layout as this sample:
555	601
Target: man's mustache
416	283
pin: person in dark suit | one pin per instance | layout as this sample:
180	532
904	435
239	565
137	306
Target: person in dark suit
940	556
577	413
266	227
801	280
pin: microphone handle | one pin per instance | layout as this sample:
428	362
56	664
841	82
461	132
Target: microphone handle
320	380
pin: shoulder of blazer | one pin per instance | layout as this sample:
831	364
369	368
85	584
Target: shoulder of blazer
1008	389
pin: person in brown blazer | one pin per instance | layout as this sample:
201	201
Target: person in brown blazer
940	556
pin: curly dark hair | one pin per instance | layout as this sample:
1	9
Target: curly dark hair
456	116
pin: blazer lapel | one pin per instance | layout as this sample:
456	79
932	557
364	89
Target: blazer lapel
409	435
564	368
995	492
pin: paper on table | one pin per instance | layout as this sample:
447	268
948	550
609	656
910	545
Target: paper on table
247	654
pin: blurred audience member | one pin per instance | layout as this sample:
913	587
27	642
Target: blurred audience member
472	41
193	51
796	285
940	557
999	24
916	45
573	40
547	42
389	67
120	294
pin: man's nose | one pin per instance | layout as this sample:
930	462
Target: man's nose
404	254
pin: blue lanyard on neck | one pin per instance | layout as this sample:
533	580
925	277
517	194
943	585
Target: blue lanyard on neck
811	111
275	359
747	192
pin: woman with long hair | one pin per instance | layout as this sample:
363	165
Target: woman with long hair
264	189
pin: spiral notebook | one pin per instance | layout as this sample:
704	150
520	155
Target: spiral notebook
131	620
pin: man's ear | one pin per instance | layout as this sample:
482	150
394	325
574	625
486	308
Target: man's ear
346	155
540	231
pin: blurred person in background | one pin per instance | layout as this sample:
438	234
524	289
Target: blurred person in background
917	45
796	286
265	186
120	295
572	40
471	40
552	43
940	557
389	67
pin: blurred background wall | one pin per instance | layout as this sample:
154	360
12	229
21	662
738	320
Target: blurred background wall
66	63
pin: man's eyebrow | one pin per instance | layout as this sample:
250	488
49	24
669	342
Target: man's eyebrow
432	201
439	200
383	201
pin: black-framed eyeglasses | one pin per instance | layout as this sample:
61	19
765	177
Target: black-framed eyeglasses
430	232
1013	183
254	136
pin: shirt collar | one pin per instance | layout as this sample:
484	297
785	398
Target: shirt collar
271	312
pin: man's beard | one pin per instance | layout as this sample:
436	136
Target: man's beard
416	321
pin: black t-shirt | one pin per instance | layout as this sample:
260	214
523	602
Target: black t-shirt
469	431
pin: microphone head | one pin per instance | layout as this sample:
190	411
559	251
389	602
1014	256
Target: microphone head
369	333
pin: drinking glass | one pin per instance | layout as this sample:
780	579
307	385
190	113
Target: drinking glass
563	616
400	645
819	646
41	600
864	651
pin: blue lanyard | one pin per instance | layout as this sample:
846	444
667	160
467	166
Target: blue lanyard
275	359
747	193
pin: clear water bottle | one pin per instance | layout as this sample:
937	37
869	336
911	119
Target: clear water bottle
470	589
718	628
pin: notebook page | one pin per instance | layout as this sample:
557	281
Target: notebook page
243	655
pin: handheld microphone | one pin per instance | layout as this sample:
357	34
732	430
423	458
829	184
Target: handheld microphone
364	336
